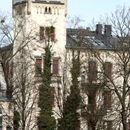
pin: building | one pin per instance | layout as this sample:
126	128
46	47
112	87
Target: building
6	103
33	20
102	57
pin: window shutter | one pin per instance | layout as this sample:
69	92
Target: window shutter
92	68
107	99
92	98
109	125
42	33
108	70
77	125
39	62
52	33
1	118
38	65
56	66
128	124
47	33
53	92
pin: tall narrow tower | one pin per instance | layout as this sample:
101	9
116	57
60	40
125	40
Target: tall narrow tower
37	22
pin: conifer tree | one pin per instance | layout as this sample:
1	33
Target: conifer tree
45	120
70	119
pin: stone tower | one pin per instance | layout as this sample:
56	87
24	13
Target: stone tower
32	21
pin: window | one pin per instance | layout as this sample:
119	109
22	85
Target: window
0	119
56	66
53	91
107	70
109	125
92	98
92	71
47	33
107	99
18	10
38	65
50	33
128	124
47	10
8	128
42	33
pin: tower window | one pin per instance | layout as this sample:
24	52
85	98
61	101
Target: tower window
46	10
38	64
49	11
47	33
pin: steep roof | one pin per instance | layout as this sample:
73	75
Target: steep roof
84	38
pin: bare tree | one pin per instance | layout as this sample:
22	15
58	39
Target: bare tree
26	93
118	54
14	67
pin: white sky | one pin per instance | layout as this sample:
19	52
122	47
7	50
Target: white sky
85	9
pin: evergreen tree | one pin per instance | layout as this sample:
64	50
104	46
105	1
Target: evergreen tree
45	120
16	120
70	119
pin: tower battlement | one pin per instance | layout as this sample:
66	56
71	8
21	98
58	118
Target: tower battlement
39	1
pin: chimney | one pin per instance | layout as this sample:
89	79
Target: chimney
99	29
107	30
29	7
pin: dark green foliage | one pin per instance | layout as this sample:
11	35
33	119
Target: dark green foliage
16	120
45	120
70	119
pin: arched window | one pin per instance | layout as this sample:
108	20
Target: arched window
46	10
49	11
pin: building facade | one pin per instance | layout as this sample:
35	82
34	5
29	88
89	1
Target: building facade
39	22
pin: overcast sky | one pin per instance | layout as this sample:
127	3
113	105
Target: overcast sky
85	9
